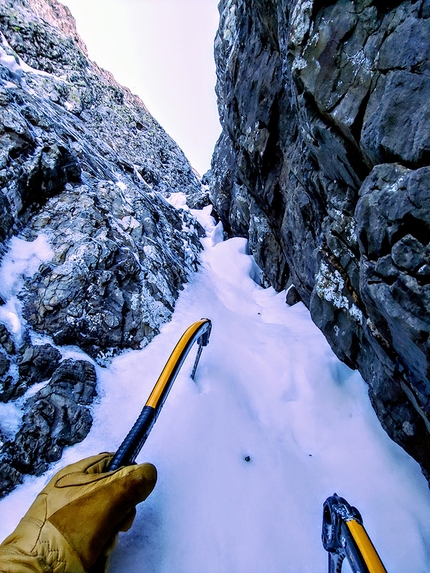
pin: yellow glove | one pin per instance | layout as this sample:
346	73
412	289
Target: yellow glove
72	525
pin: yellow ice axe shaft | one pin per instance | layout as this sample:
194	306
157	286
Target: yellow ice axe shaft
133	443
365	547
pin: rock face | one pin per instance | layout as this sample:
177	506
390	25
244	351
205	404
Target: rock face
55	417
84	170
323	164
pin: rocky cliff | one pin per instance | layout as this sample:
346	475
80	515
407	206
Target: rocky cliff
323	163
84	172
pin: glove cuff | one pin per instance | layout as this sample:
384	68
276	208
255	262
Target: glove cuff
13	560
50	553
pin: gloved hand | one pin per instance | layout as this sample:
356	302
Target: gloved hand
72	525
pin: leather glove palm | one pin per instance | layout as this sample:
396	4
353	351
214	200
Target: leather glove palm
72	524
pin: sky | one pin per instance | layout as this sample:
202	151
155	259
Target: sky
249	450
162	50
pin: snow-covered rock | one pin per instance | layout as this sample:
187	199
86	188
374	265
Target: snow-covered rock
84	165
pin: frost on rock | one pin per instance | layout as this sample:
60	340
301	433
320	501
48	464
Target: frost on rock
117	269
300	22
330	285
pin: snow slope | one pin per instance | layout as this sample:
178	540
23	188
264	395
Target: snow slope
268	390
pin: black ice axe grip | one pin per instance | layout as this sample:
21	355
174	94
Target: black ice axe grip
133	443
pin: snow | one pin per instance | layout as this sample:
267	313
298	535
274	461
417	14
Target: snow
15	64
20	262
248	452
10	416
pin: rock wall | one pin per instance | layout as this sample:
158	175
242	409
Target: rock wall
85	169
323	163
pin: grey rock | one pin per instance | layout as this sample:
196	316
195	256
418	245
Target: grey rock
6	340
117	271
4	364
199	200
21	368
9	476
266	248
37	363
325	131
293	296
396	125
55	417
393	223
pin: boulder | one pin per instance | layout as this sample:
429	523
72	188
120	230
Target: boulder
55	417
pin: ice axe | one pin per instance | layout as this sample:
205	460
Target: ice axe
129	449
344	536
